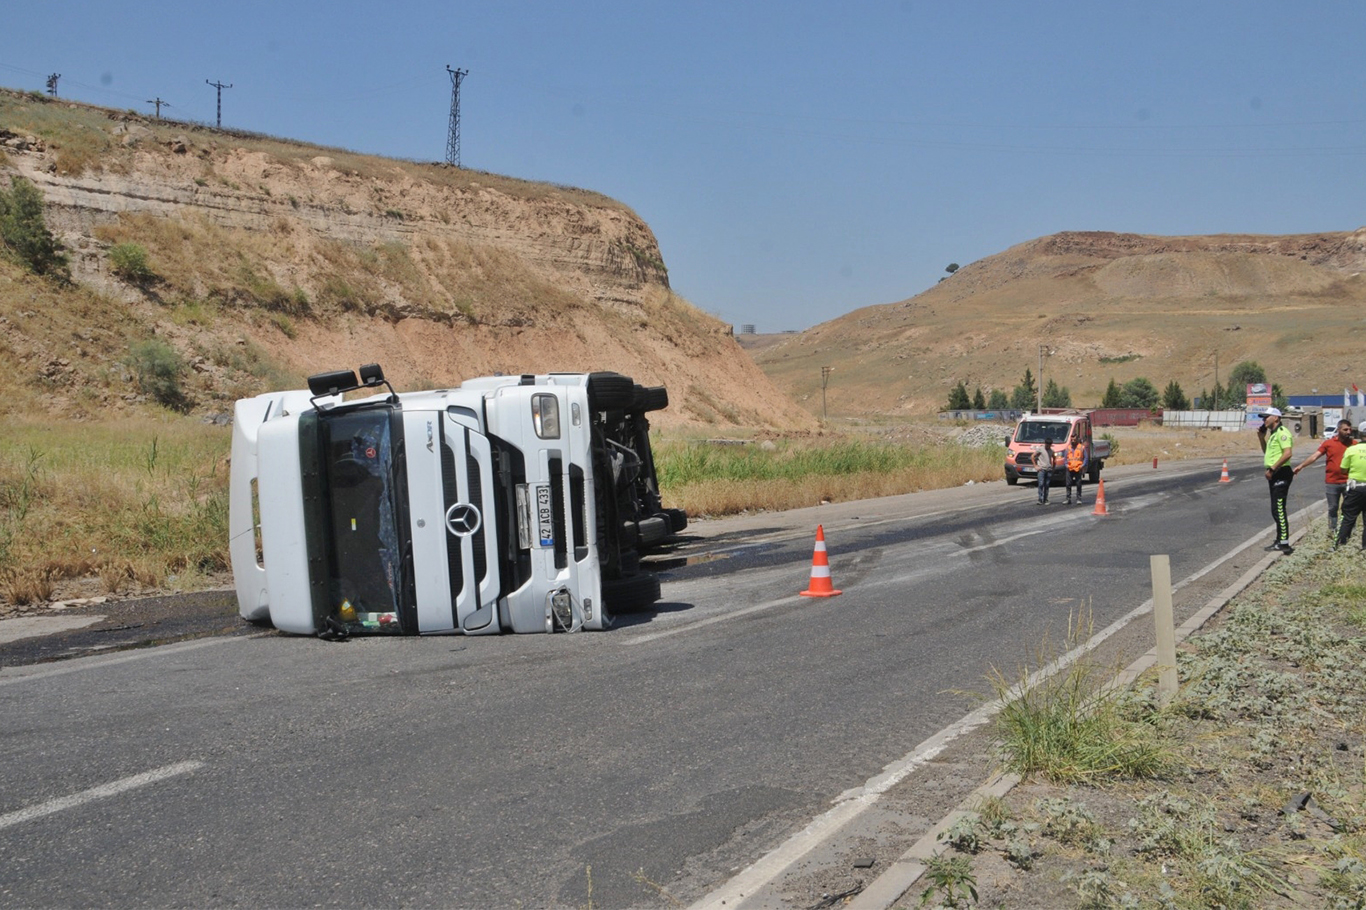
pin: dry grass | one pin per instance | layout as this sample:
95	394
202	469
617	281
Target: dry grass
132	502
713	479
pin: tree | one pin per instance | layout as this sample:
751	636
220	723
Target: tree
1139	393
958	398
1055	397
1173	399
1113	397
998	400
979	402
1025	395
1239	378
23	234
951	267
1217	399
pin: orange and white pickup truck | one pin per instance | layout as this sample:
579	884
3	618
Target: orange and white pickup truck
1060	428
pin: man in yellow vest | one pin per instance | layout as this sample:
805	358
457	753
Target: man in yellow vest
1077	459
1354	500
1277	444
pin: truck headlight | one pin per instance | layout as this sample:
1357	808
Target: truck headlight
560	611
545	415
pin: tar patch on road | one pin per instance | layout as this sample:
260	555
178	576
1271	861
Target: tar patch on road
129	624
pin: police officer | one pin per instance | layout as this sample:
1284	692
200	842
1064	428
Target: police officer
1277	443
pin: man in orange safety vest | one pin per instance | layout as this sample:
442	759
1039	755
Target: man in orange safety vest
1077	459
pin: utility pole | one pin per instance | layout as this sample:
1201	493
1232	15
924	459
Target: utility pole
158	102
825	381
52	84
1216	380
1039	388
220	86
453	132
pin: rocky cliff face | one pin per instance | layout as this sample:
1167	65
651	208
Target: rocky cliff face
582	241
323	258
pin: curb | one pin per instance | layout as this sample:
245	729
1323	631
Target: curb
889	887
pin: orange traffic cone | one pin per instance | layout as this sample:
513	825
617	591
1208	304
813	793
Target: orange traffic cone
1223	475
1100	500
820	570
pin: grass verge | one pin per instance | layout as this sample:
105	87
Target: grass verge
709	478
1259	797
139	504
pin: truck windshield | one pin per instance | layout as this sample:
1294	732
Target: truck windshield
1038	431
365	544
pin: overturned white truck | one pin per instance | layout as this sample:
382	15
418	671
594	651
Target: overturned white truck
508	504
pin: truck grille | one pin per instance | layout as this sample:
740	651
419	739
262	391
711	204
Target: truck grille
455	566
476	493
556	466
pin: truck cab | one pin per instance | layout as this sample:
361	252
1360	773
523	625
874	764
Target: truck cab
1059	428
491	507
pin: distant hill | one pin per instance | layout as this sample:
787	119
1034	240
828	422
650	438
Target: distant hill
1107	306
268	259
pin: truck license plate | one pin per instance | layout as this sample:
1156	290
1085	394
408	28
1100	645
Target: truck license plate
545	517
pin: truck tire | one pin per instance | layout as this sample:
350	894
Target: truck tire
655	528
610	391
677	518
630	594
651	398
1012	479
1094	474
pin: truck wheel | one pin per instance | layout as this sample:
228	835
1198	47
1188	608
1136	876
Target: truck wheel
677	518
1012	479
610	391
631	594
651	398
1094	474
654	529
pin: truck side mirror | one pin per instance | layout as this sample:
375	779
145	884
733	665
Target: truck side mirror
331	383
371	374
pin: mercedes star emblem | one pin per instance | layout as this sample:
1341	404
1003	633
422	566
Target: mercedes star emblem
462	519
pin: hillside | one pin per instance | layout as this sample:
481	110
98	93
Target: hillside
1107	306
267	259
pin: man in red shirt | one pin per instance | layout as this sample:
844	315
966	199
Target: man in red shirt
1334	480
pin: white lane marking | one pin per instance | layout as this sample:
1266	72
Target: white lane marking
101	792
18	674
851	803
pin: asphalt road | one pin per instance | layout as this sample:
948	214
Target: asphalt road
639	767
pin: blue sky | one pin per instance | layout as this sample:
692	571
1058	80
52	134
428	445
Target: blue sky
796	160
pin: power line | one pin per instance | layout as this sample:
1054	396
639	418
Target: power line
453	132
220	86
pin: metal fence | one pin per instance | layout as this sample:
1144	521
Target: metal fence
1230	421
1004	415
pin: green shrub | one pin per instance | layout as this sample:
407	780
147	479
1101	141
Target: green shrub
159	368
24	235
129	262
